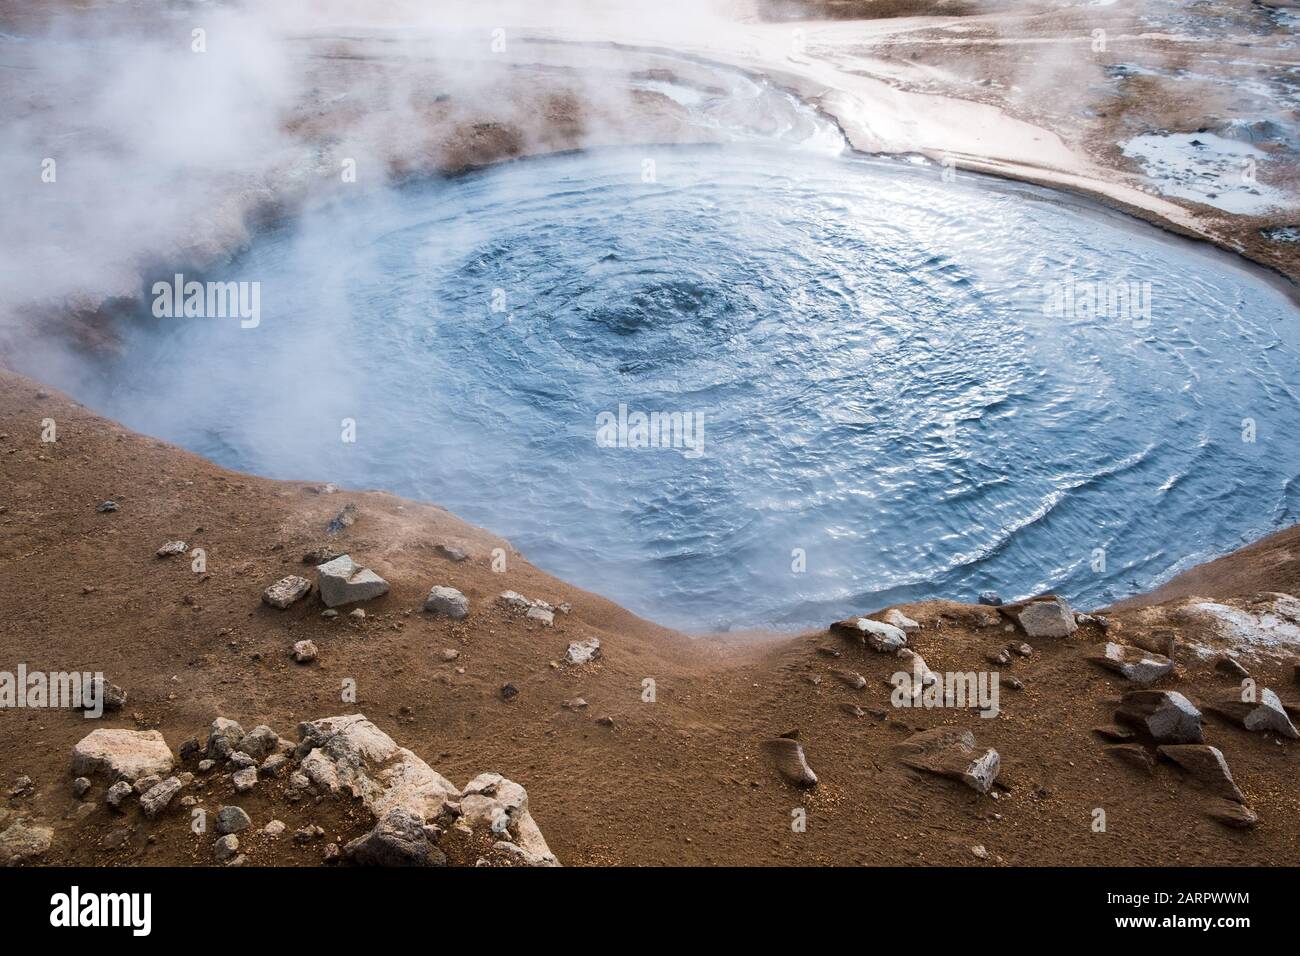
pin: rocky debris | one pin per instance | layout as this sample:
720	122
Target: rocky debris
117	793
1230	666
286	591
509	691
951	752
21	842
1166	716
398	839
226	847
156	799
1015	683
1135	755
357	614
107	507
582	652
80	786
448	601
577	703
450	654
1000	658
145	784
1265	714
851	678
1020	649
274	828
275	764
121	754
979	852
901	621
825	651
542	615
206	765
224	737
877	635
259	742
344	519
514	599
1206	766
853	710
240	760
22	786
232	820
1138	666
990	598
1048	616
304	652
789	758
364	762
191	748
451	553
244	780
343	581
172	548
605	721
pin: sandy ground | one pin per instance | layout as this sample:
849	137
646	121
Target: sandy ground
680	780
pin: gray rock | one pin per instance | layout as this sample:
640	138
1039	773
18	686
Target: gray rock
582	652
1207	768
901	621
514	599
990	598
223	738
245	780
1230	666
275	764
951	752
206	765
171	548
232	820
21	843
98	689
343	581
1166	716
240	760
451	553
1266	714
286	591
145	784
543	616
344	519
121	754
226	846
80	786
155	800
447	601
1049	618
107	507
789	758
117	793
304	652
191	748
1138	666
259	742
852	679
398	839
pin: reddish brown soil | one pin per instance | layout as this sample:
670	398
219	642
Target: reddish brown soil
678	781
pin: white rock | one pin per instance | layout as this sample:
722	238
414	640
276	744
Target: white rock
1052	618
580	652
901	621
304	652
880	636
286	591
122	754
542	615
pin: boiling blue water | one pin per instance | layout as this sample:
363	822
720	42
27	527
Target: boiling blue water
880	386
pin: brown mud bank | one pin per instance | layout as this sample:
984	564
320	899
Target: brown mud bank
683	775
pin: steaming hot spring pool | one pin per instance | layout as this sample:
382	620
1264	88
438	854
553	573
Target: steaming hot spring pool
880	385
